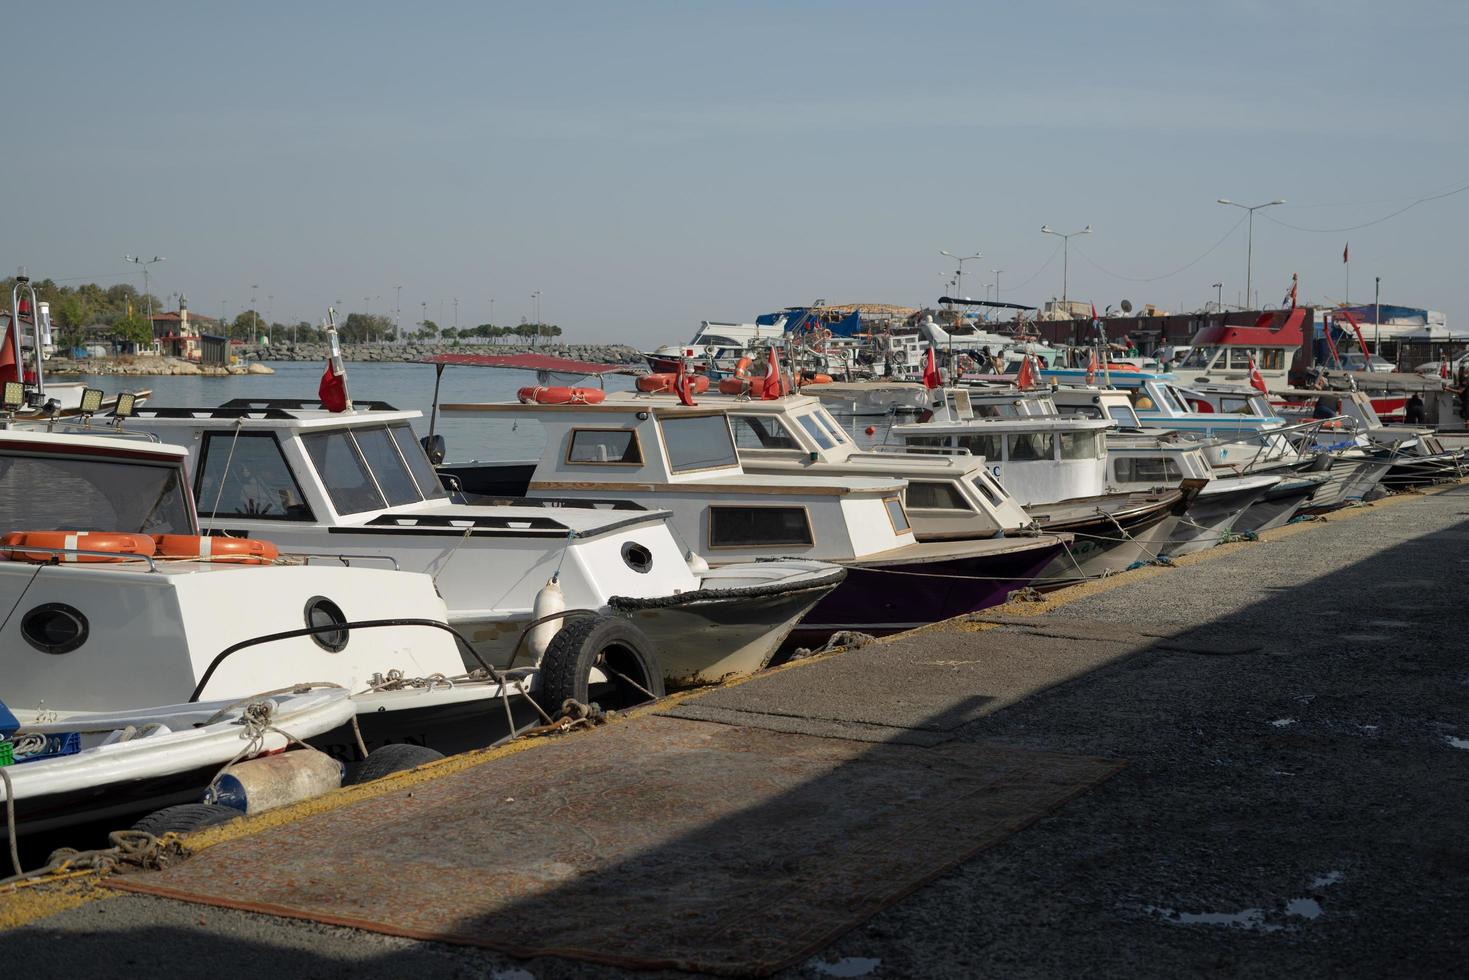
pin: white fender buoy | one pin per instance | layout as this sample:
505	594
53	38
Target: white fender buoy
257	785
696	564
549	600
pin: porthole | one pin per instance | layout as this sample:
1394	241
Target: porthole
54	627
638	558
321	611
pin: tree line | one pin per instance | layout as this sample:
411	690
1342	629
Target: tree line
122	313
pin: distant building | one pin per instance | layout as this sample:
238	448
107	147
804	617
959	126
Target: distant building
177	333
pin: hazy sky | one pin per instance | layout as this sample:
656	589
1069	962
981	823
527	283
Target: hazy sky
648	165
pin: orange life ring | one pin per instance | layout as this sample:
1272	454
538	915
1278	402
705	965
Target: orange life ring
119	543
663	381
242	551
816	379
542	395
742	368
734	386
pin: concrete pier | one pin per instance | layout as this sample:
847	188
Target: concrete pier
1291	718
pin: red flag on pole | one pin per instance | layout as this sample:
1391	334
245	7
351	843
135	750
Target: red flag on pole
1257	380
1443	366
681	385
9	370
333	389
772	388
1026	379
931	378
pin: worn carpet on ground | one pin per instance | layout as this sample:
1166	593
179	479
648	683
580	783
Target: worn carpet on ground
658	842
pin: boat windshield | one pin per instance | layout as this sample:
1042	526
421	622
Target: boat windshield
74	494
1199	357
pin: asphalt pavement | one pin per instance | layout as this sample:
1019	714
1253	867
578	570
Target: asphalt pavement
1293	712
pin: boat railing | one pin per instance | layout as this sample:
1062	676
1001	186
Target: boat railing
111	557
347	560
919	450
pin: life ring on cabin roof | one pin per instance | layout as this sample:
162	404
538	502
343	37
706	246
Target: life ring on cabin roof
542	395
663	381
734	386
742	368
119	545
240	551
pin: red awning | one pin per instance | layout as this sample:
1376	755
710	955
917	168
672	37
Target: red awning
529	362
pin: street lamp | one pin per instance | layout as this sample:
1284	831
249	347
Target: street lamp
997	283
1065	256
254	317
535	308
1219	302
959	276
148	297
398	315
1250	239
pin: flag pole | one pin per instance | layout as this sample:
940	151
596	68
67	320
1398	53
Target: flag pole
334	346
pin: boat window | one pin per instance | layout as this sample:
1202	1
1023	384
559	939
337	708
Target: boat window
715	340
1081	445
923	494
897	515
1199	357
1235	404
761	432
1025	446
986	485
392	474
44	492
342	472
1271	359
758	527
830	424
1170	398
246	475
1259	406
1151	470
697	442
992	410
1087	411
610	446
1124	416
936	442
418	464
1239	357
983	444
822	437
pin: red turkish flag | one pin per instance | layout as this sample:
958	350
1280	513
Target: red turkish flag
9	370
1026	379
773	387
1257	380
681	386
333	390
931	378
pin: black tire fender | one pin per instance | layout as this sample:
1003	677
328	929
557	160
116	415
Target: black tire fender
584	643
185	818
388	759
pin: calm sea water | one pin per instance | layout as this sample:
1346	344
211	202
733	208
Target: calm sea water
405	386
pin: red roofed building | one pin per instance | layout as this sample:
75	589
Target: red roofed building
177	333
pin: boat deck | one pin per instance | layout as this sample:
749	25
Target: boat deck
1290	717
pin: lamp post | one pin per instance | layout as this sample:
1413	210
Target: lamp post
148	297
535	308
1250	238
269	315
1377	316
1065	257
997	283
1219	301
959	276
398	315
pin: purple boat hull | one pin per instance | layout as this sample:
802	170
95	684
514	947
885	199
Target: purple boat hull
882	599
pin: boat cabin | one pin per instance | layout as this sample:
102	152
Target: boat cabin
657	452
